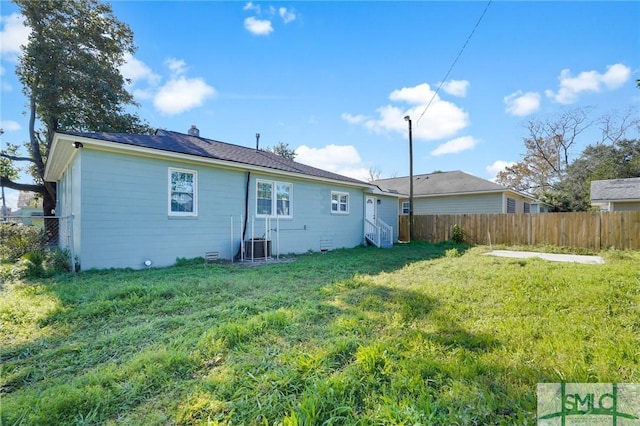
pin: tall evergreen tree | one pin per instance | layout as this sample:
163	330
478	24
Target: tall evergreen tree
70	74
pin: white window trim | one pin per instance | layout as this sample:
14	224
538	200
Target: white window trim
274	199
339	193
402	207
195	193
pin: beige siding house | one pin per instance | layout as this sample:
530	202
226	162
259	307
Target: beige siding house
457	192
616	194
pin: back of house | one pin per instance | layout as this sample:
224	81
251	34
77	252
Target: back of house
145	200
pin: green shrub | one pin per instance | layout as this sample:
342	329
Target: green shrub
458	234
452	253
16	241
57	261
41	264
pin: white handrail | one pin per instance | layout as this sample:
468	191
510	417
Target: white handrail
386	231
372	232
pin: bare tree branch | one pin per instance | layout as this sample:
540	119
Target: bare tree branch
614	126
8	183
15	158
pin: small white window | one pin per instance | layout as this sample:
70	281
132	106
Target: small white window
183	192
405	207
273	197
511	205
340	202
527	208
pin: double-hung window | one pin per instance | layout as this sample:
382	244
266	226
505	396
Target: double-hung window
339	202
183	192
274	199
405	207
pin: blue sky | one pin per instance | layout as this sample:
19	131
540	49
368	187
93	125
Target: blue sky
334	79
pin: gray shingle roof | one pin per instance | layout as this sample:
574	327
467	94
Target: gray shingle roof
170	141
615	190
442	183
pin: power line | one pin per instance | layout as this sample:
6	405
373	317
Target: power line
456	60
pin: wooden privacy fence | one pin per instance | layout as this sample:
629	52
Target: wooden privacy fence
592	230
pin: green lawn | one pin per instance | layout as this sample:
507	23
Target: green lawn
417	334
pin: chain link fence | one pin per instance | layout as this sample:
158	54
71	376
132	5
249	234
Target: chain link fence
23	234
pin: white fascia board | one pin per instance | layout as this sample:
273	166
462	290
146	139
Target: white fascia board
61	155
377	191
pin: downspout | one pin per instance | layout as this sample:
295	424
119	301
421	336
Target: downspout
246	204
246	214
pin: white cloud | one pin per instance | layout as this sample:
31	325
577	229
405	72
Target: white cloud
4	86
456	145
588	81
341	159
421	93
258	26
251	6
176	66
616	76
261	23
14	34
456	87
498	166
521	104
443	119
353	119
137	71
9	125
287	15
182	94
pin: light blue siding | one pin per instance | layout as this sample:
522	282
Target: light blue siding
313	223
458	204
125	220
68	205
387	210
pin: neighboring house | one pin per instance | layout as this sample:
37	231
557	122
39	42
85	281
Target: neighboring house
538	206
616	194
29	207
139	198
457	192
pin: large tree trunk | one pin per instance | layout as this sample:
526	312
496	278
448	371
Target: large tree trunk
48	192
51	225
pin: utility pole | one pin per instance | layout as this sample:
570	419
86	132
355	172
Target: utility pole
408	119
3	213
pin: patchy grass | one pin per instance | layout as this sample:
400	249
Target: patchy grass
418	334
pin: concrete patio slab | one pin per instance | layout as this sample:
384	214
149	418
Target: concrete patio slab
594	260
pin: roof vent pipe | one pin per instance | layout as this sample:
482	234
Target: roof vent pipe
193	131
257	141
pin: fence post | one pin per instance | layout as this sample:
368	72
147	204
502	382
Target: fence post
72	254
